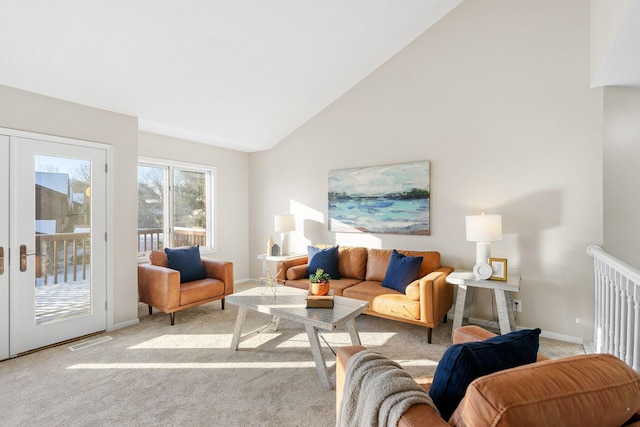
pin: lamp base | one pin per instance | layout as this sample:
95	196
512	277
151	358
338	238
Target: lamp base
284	243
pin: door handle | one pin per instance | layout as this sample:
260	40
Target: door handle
1	260
23	257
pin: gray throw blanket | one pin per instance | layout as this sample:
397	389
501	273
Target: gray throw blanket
377	391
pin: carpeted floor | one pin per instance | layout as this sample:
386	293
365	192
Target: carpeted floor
186	374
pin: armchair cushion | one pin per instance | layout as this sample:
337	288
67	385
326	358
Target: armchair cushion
187	261
401	271
326	259
463	363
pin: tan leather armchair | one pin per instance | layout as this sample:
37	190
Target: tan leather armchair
586	390
160	287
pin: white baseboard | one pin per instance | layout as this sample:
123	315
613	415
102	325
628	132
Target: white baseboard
544	334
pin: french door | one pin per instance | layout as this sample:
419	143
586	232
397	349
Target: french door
55	278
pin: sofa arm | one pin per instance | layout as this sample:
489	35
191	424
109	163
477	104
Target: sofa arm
583	390
283	266
221	270
159	286
416	415
473	333
436	295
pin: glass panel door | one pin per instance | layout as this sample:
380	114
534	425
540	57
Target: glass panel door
62	238
58	274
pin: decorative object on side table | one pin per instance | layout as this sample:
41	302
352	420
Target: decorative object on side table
270	244
499	268
483	229
319	283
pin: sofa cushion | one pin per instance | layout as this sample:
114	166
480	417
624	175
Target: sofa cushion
352	262
337	286
326	259
187	261
401	271
377	263
463	363
584	390
199	290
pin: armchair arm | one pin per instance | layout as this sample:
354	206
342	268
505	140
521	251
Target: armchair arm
159	286
471	333
436	295
416	415
283	266
221	270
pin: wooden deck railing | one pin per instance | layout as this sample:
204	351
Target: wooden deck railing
150	239
63	257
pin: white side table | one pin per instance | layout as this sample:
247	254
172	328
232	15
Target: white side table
271	258
466	281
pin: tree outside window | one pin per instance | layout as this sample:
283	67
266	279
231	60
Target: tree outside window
174	206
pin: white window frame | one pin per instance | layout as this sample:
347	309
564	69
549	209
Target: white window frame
211	180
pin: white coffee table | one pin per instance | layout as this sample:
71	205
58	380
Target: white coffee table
285	302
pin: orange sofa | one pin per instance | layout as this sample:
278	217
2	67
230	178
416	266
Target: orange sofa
587	390
425	301
160	287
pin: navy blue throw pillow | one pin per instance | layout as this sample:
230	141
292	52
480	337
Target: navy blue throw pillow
463	363
187	261
326	259
401	271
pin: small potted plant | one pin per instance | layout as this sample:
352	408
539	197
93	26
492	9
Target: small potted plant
319	282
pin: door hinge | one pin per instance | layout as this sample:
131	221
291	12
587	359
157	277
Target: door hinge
105	236
106	168
106	305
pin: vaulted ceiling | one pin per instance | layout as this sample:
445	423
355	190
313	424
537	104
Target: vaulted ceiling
236	74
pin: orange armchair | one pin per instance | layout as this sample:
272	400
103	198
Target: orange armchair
160	287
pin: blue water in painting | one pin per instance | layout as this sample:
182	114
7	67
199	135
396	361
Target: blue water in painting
380	215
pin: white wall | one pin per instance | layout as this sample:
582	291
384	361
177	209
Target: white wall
606	17
621	174
497	97
232	202
35	113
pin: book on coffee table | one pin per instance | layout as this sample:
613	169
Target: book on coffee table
320	301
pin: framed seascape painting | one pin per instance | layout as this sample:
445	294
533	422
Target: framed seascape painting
392	199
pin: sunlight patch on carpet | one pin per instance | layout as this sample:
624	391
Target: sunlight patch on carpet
186	341
241	365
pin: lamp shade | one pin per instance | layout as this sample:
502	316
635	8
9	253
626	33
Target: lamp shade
484	228
284	223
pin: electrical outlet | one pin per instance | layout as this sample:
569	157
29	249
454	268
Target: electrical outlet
517	305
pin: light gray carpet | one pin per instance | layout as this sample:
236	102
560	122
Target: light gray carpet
186	374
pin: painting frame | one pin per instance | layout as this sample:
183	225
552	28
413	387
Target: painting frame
499	268
383	199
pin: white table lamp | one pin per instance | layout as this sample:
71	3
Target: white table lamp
483	229
285	224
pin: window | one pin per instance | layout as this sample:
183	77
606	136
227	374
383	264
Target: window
175	205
